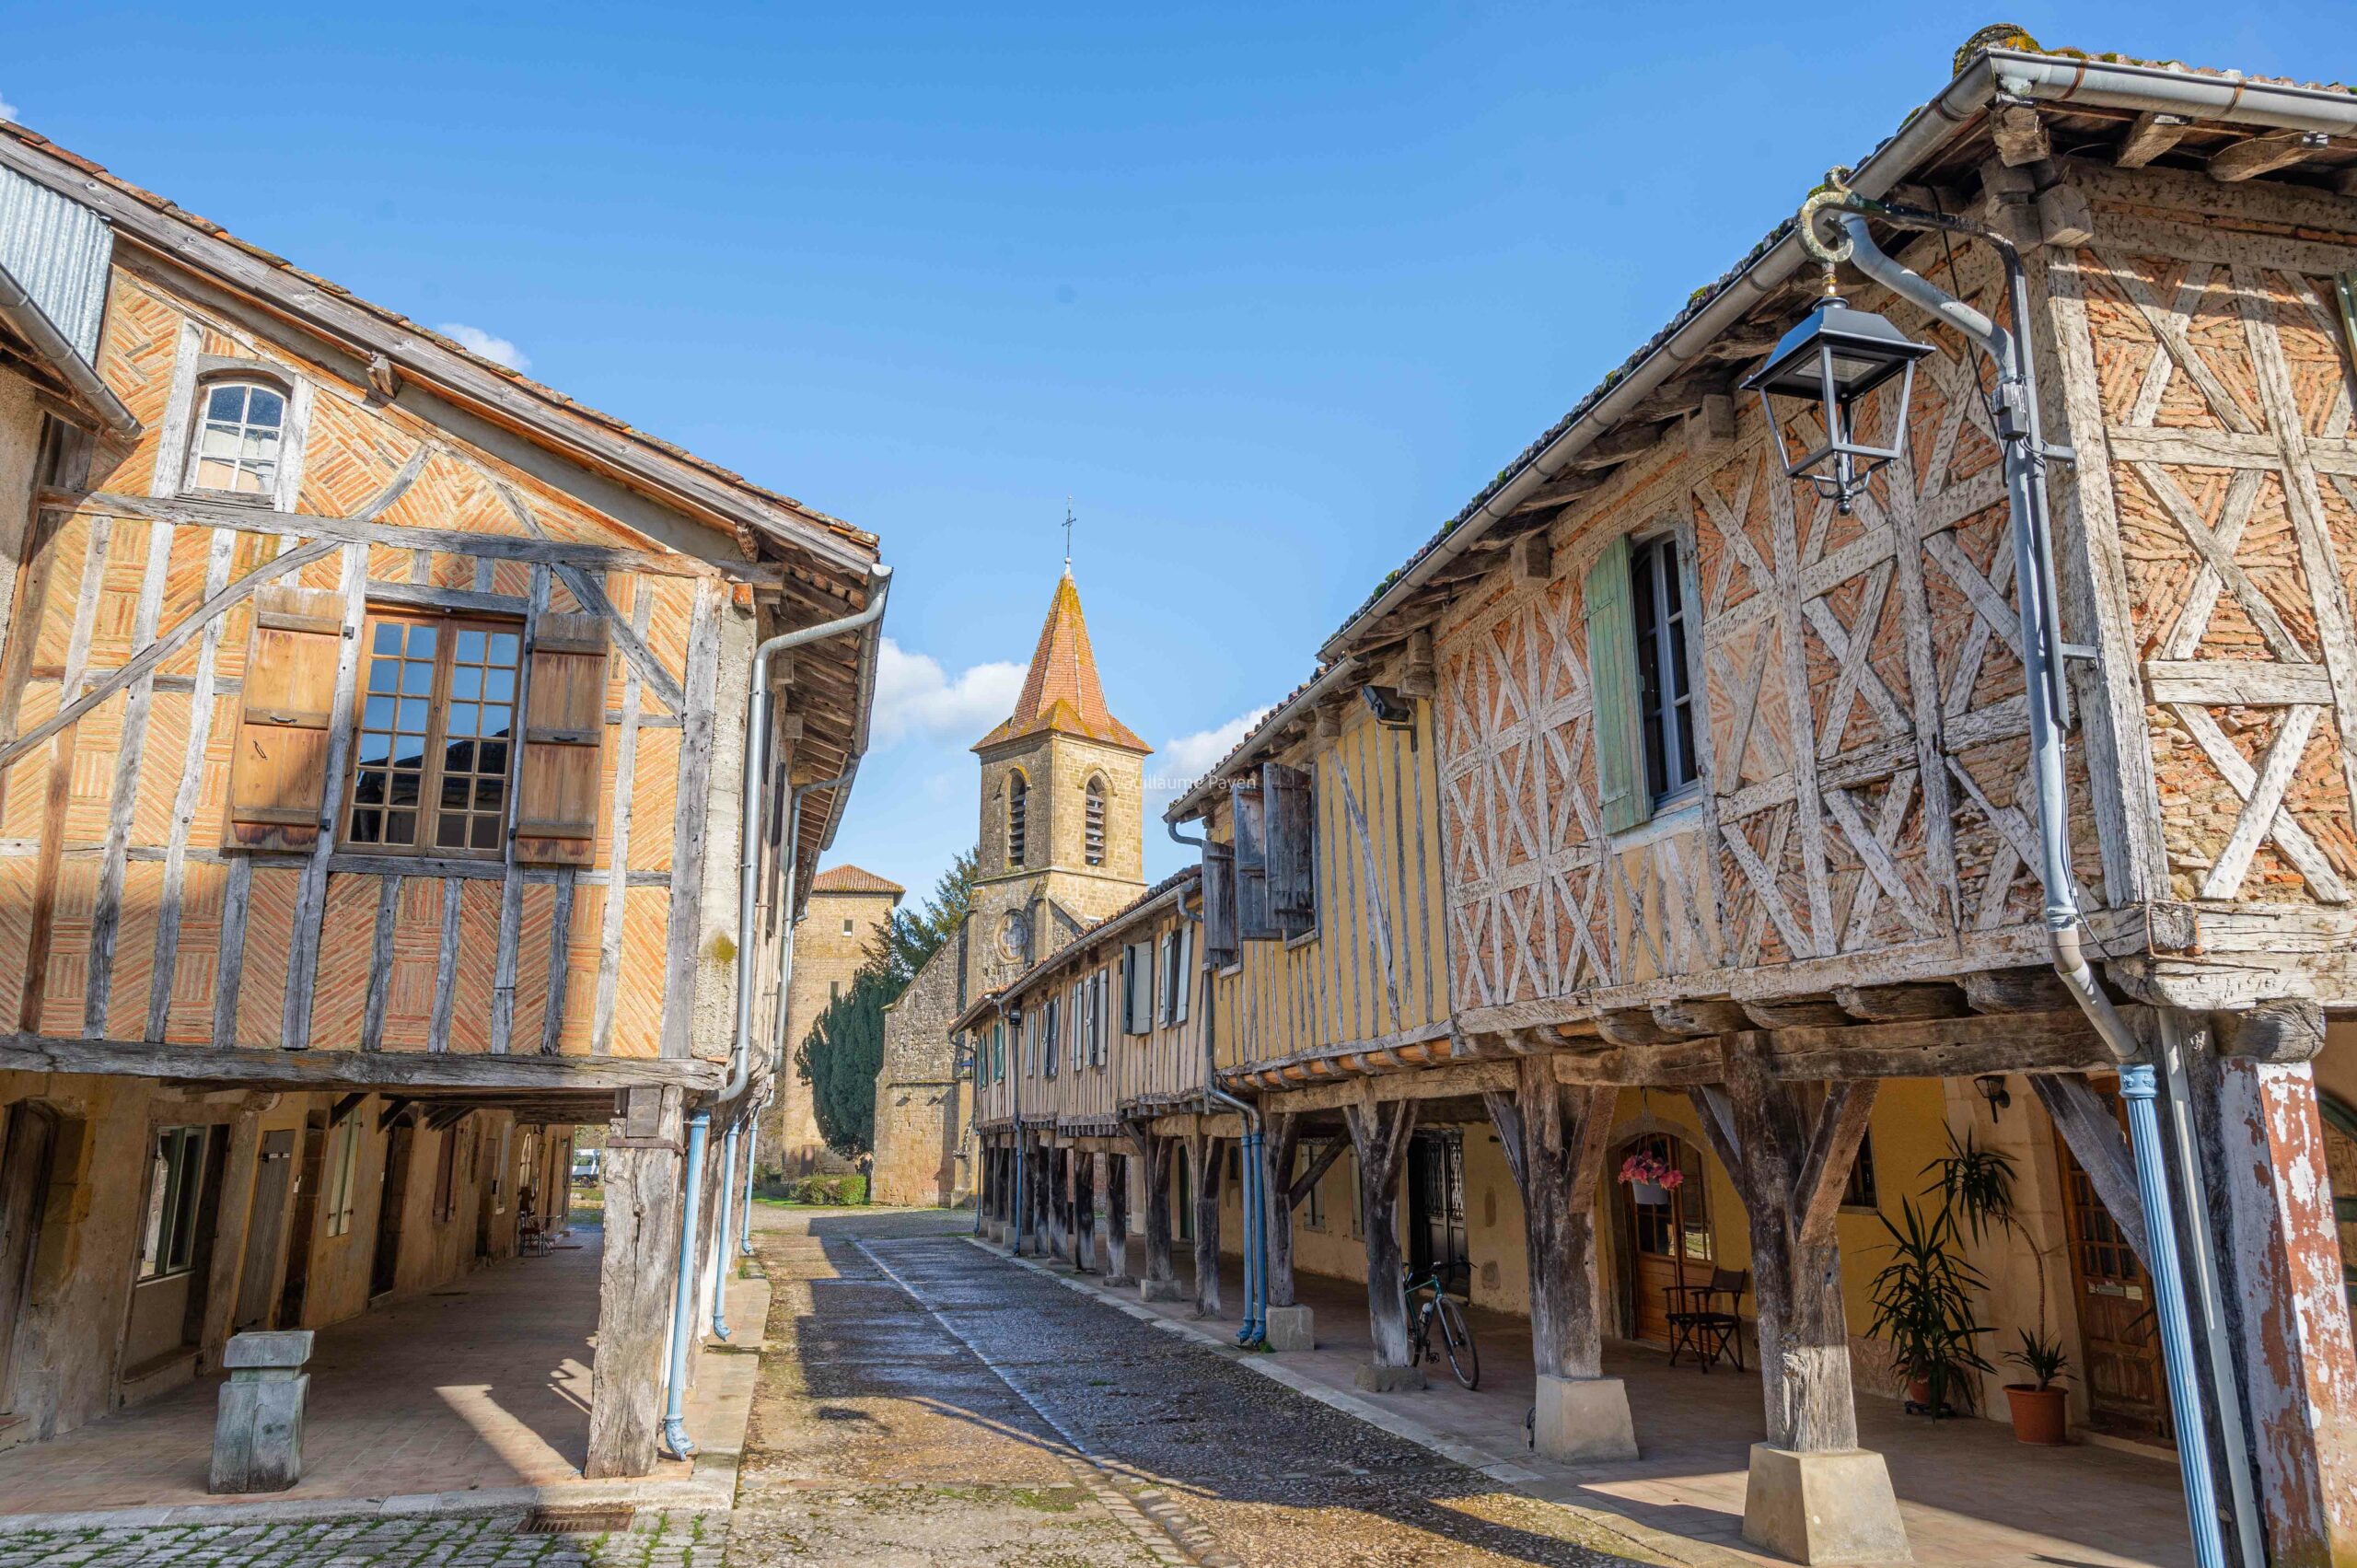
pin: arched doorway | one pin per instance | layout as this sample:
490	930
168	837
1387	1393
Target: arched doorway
1666	1230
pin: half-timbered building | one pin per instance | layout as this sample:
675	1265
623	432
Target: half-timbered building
373	769
1666	805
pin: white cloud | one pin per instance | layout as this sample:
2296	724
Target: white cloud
7	110
915	696
499	350
1184	759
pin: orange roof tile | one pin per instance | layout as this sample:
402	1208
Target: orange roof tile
851	879
1061	694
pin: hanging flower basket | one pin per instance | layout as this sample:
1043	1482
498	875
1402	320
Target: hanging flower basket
1651	1179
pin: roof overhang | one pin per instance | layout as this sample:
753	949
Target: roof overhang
74	381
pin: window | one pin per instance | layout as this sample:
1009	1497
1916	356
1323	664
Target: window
236	448
1666	700
1177	972
998	1053
1018	803
847	925
1137	988
1050	1028
1859	1193
1100	1005
342	1167
834	990
175	1184
436	713
1093	824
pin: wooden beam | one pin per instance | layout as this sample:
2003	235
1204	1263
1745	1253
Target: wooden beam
1897	1004
1796	1013
2091	1129
2153	134
2020	135
1688	1019
2263	155
1832	1149
2035	989
328	1069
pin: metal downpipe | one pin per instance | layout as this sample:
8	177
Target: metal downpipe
720	1232
683	1293
752	1148
1254	1329
2024	467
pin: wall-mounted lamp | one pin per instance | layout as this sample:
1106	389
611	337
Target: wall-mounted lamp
1992	1089
1830	363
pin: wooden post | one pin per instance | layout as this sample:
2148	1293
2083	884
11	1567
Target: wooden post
2288	1312
1117	1220
1379	1132
1282	1143
1203	1164
1554	1135
642	1179
1813	1493
229	1234
1160	1281
1083	1212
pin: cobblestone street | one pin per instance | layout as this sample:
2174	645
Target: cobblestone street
926	1403
654	1541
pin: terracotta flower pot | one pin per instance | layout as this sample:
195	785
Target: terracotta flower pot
2041	1415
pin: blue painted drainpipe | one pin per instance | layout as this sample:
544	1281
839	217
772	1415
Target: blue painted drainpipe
683	1293
720	1232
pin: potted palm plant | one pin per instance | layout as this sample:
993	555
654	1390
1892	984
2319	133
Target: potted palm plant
2038	1410
1922	1301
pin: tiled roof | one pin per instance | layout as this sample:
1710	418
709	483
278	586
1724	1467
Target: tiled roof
1061	694
853	880
1184	875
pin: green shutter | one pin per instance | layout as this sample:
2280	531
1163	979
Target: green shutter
1612	679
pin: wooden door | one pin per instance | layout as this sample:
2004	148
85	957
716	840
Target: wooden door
391	1203
1669	1232
297	1282
264	1227
28	1134
2127	1395
1436	1203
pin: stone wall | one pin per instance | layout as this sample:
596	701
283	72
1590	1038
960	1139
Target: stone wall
831	942
919	1118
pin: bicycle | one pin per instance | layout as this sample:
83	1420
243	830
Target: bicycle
1439	1306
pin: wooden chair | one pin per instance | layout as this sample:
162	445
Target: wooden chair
1696	1324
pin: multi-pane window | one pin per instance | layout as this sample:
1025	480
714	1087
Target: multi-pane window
1018	803
239	427
1666	696
1093	824
175	1187
436	717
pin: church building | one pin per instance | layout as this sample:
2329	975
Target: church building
1060	849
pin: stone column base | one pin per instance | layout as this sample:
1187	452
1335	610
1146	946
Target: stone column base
1584	1419
1119	1281
1292	1328
1834	1508
1161	1290
1377	1379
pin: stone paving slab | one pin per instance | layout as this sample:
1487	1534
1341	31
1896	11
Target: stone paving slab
672	1539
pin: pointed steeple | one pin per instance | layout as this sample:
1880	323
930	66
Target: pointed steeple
1061	694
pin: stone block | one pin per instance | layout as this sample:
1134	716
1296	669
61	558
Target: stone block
258	1434
1161	1290
1377	1379
1580	1420
1832	1508
1292	1328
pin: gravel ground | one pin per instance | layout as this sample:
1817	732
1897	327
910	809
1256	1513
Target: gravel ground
924	1402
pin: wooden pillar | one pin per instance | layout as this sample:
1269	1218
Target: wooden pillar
1204	1162
1117	1220
1813	1493
1379	1132
1554	1136
1282	1145
642	1180
2282	1259
228	1260
1084	1210
1160	1281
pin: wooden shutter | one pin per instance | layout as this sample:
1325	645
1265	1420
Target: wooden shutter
1220	947
1186	966
280	766
564	723
1291	874
1252	922
1612	677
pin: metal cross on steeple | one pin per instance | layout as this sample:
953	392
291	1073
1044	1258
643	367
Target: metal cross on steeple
1067	536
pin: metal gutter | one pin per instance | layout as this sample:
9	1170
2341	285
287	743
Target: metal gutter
89	393
865	705
2228	98
1200	792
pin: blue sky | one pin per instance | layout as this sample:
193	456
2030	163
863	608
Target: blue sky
1270	291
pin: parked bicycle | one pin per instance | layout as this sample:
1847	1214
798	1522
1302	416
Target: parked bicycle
1429	1304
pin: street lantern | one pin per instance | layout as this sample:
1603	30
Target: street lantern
1834	358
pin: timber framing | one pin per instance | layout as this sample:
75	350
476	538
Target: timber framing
367	1069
